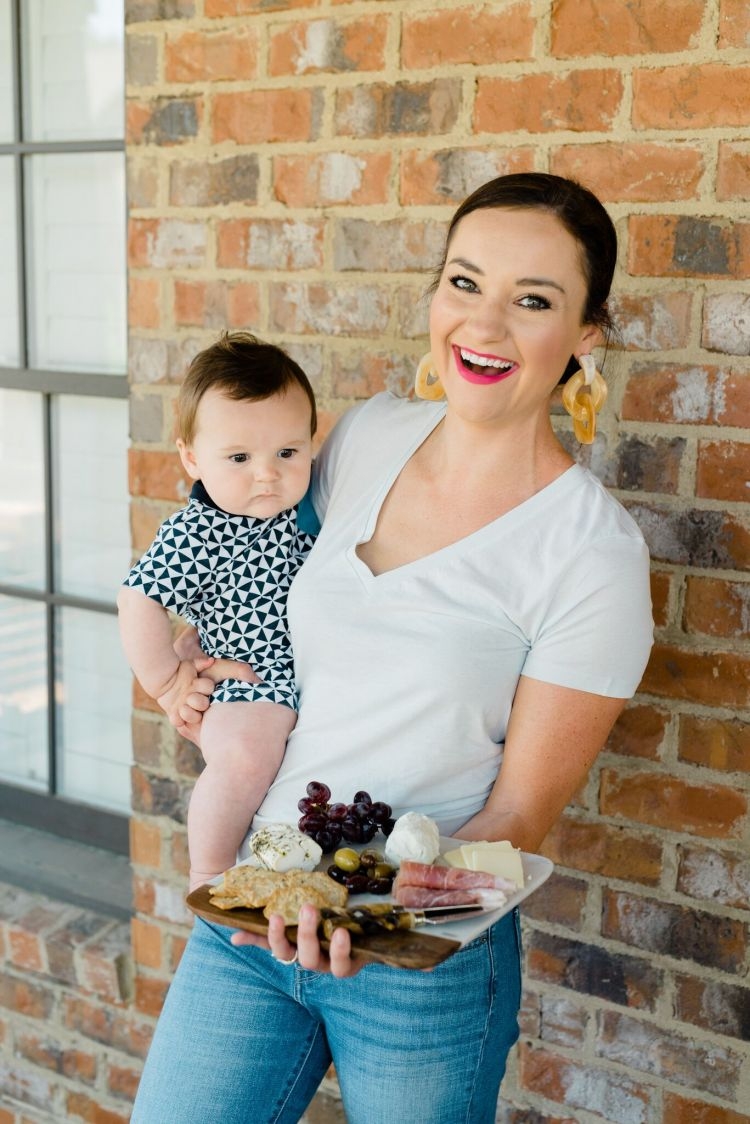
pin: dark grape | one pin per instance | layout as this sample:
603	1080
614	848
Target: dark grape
326	841
336	873
362	798
351	830
337	811
307	805
312	822
388	826
380	811
367	831
319	792
362	809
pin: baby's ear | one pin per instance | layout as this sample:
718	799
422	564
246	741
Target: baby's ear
187	457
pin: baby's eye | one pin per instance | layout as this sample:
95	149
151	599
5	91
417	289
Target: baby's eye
464	283
238	458
286	454
534	301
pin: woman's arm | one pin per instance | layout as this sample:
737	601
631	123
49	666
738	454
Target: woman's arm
554	736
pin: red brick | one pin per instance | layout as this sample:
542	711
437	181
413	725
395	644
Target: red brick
206	183
147	943
122	1082
717	1007
396	244
734	27
136	10
145	520
661	586
716	743
654	925
675	1057
604	849
166	243
269	244
560	901
332	177
688	246
480	36
652	321
264	116
80	1106
672	804
686	395
216	9
142	180
362	373
583	101
50	1053
696	537
640	464
26	951
639	731
592	971
733	171
156	475
316	46
563	1023
145	843
211	56
684	1110
143	895
632	172
691	97
726	328
320	308
716	608
143	302
449	175
163	121
609	27
216	304
384	109
578	1085
723	470
150	995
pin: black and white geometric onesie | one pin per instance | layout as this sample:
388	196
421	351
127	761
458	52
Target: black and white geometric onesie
229	575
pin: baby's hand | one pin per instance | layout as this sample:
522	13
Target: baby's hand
177	690
228	669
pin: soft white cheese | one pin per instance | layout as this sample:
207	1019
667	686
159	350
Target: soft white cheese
281	847
414	838
500	858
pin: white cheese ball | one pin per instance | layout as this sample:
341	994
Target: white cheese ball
414	838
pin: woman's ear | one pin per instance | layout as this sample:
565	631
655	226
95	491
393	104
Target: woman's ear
591	336
187	456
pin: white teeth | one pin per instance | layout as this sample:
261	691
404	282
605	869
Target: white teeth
483	361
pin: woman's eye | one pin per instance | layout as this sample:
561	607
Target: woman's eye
238	458
286	454
534	301
463	283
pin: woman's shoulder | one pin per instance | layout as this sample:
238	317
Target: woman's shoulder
596	510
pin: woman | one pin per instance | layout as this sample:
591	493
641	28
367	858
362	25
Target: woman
466	630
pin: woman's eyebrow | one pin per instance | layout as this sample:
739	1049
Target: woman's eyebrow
466	265
542	282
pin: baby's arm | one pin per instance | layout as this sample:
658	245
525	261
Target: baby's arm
147	641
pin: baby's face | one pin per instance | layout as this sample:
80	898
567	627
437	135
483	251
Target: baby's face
253	458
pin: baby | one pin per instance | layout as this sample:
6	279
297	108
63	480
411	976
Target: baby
245	419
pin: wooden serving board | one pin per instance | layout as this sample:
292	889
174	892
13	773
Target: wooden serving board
402	948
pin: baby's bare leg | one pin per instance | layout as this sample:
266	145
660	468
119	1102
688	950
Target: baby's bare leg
243	744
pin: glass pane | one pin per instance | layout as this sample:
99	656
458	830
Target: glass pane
76	245
23	693
6	74
91	501
74	53
10	353
93	695
22	489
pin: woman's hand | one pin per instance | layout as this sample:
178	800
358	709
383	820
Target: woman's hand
337	961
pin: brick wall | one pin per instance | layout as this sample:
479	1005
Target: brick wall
291	168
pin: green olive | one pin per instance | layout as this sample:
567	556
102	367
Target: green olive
381	870
346	858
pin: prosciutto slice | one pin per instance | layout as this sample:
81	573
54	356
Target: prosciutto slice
449	878
423	897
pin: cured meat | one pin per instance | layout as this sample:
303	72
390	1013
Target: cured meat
423	897
450	878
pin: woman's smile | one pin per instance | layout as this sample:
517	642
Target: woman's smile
478	368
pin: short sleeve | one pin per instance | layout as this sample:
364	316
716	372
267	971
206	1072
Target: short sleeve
174	569
597	632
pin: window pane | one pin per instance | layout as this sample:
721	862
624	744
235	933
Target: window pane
22	491
74	51
23	693
91	502
6	74
93	692
76	239
10	354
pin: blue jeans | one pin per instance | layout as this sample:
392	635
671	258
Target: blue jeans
243	1039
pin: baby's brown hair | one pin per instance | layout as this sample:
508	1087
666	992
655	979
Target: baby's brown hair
243	368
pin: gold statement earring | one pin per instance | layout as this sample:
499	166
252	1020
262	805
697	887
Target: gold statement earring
583	396
427	384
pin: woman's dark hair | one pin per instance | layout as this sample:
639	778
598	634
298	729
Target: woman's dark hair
582	215
242	367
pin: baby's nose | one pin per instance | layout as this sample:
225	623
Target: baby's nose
266	469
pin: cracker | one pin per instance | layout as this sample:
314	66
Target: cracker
245	886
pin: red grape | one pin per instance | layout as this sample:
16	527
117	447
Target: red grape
318	792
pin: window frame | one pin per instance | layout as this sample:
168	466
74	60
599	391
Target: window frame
55	813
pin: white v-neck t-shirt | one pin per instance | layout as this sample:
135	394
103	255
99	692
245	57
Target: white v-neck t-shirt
406	679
